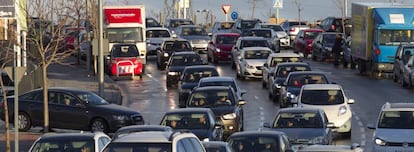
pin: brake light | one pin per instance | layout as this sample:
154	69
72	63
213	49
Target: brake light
377	51
292	29
333	27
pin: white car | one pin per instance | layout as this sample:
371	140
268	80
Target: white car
332	99
155	37
394	128
250	62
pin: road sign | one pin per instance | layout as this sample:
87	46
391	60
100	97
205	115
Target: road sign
234	15
7	9
278	4
20	73
226	8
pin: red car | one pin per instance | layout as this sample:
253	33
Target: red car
304	39
70	35
219	48
125	61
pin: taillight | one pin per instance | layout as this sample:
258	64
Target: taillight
333	27
292	29
377	51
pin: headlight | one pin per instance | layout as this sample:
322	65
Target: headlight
342	110
218	50
318	140
172	73
290	95
166	55
120	117
206	139
380	142
249	66
278	85
229	116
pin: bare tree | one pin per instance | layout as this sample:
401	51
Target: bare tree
300	8
254	5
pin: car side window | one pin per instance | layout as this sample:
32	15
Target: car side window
196	144
187	145
180	146
102	141
35	96
53	97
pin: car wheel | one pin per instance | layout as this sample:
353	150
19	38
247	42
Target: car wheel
347	134
214	60
158	64
25	122
402	82
233	65
98	124
241	123
345	64
275	98
321	56
314	58
208	57
410	84
270	95
168	84
305	54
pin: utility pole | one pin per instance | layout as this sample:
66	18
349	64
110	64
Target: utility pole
100	51
254	7
298	5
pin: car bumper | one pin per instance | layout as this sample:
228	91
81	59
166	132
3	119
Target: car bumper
223	56
172	79
126	70
285	41
200	47
343	126
253	73
378	148
230	126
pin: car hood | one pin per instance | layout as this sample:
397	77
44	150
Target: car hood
394	135
301	133
222	110
255	62
196	37
281	34
188	85
115	109
225	47
157	40
176	68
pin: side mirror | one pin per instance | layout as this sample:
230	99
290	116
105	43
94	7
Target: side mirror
219	124
241	102
158	48
242	92
284	84
234	47
210	34
294	100
330	125
239	58
266	125
371	126
351	101
174	35
265	65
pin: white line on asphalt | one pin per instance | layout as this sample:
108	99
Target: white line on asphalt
356	117
363	143
360	124
362	130
256	97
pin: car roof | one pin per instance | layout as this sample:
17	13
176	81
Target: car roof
327	33
70	136
144	127
285	54
299	109
268	24
252	38
188	110
313	30
176	39
259	29
156	28
284	64
185	53
398	106
255	48
191	26
255	133
146	136
217	78
69	89
307	73
212	88
322	87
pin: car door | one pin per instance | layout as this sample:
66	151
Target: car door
32	103
65	113
298	41
317	44
398	62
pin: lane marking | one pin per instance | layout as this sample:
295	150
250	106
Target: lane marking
256	97
261	113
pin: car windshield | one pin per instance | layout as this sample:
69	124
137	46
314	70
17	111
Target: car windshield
211	98
226	25
193	31
274	27
397	120
91	98
322	97
226	39
180	60
64	145
299	80
276	60
298	120
311	35
158	34
251	43
248	24
219	83
251	144
283	72
259	33
171	46
195	76
124	51
329	39
256	54
186	121
138	147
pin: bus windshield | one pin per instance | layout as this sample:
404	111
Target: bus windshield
396	37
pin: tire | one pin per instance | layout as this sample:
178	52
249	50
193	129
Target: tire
214	60
321	57
242	123
314	58
158	64
143	69
264	86
347	135
208	58
305	54
394	77
270	96
233	65
98	124
402	82
345	64
25	122
168	84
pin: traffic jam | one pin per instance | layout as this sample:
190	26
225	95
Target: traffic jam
244	85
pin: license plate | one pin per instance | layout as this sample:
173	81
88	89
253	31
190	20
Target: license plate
258	72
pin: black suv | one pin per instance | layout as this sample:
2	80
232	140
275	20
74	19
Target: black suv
334	24
224	102
168	47
177	63
241	25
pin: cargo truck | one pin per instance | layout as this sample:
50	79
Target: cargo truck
125	24
377	30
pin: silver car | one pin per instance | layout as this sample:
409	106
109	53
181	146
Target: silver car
155	37
280	32
197	35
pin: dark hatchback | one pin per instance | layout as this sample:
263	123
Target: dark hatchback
322	45
177	63
90	111
224	102
189	79
266	141
168	47
294	82
200	121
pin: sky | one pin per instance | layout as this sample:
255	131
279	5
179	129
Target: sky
311	10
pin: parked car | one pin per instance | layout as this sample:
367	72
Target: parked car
217	146
92	113
200	121
304	39
295	80
280	32
272	61
224	102
151	22
292	28
155	37
172	23
139	128
222	81
241	25
322	45
402	55
266	33
219	48
243	42
70	36
335	24
250	62
280	74
393	127
82	142
124	60
407	75
251	141
189	79
84	43
178	61
168	47
330	148
333	100
197	35
160	141
303	126
221	27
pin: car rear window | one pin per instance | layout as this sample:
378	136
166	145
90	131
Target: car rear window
322	97
148	147
125	51
299	80
397	119
251	43
298	120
